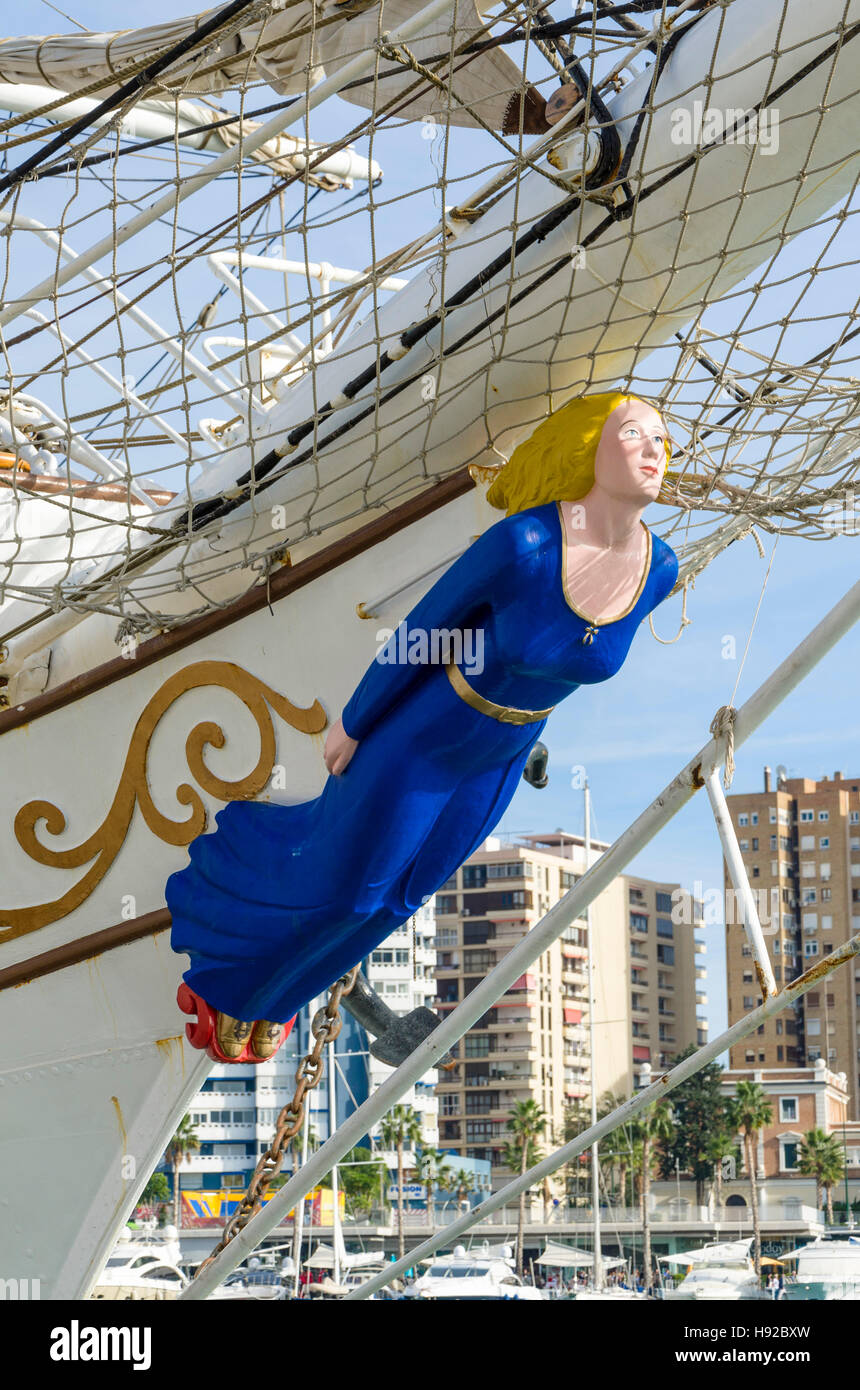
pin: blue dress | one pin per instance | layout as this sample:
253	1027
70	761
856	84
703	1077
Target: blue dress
281	900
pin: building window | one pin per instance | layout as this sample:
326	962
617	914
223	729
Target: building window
446	902
755	871
787	1108
810	948
664	927
788	1155
664	902
743	818
824	842
749	1002
824	815
827	924
807	815
754	818
813	1027
638	922
520	868
826	895
755	842
771	815
449	1104
666	955
744	844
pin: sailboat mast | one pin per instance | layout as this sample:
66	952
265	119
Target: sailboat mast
595	1163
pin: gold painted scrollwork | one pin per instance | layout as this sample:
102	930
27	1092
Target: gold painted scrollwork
101	848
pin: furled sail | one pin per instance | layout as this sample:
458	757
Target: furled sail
290	49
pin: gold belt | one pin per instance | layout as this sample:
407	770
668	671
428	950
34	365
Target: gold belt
505	713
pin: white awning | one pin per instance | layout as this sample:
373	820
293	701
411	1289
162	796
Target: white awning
729	1252
568	1257
278	51
323	1258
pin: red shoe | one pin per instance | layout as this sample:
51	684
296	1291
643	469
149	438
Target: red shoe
228	1039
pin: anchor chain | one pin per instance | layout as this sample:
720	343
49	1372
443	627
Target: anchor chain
325	1026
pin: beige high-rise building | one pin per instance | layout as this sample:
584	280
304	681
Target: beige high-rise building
534	1043
800	841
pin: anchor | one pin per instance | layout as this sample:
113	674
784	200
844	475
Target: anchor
395	1036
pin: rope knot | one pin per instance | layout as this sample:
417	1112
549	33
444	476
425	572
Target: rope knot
723	727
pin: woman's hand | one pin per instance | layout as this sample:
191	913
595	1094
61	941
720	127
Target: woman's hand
339	748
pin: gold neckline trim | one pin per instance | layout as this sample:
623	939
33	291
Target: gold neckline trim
601	622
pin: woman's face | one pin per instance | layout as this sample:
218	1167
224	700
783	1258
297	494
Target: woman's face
631	456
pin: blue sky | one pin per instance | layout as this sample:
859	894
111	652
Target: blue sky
633	733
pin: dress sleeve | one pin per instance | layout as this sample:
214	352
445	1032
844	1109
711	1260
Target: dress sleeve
466	587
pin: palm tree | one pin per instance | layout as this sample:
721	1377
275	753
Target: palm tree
822	1157
462	1182
749	1111
720	1144
527	1123
183	1144
400	1126
431	1166
653	1126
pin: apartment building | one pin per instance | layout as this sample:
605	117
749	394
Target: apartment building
402	970
667	972
534	1043
800	840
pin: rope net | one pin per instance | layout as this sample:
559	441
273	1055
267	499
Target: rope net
373	298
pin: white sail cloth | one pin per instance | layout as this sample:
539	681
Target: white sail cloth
281	51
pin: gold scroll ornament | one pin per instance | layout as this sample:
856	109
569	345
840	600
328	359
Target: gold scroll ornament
101	848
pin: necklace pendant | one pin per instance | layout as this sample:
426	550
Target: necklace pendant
589	635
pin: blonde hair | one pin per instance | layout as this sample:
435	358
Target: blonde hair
556	462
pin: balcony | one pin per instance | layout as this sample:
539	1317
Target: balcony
574	977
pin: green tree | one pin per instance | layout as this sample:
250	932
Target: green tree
822	1157
652	1128
399	1127
360	1183
156	1192
698	1110
527	1123
431	1166
720	1143
462	1183
749	1111
183	1144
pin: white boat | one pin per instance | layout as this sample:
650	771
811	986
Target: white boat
828	1268
720	1272
142	1267
473	1275
160	640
